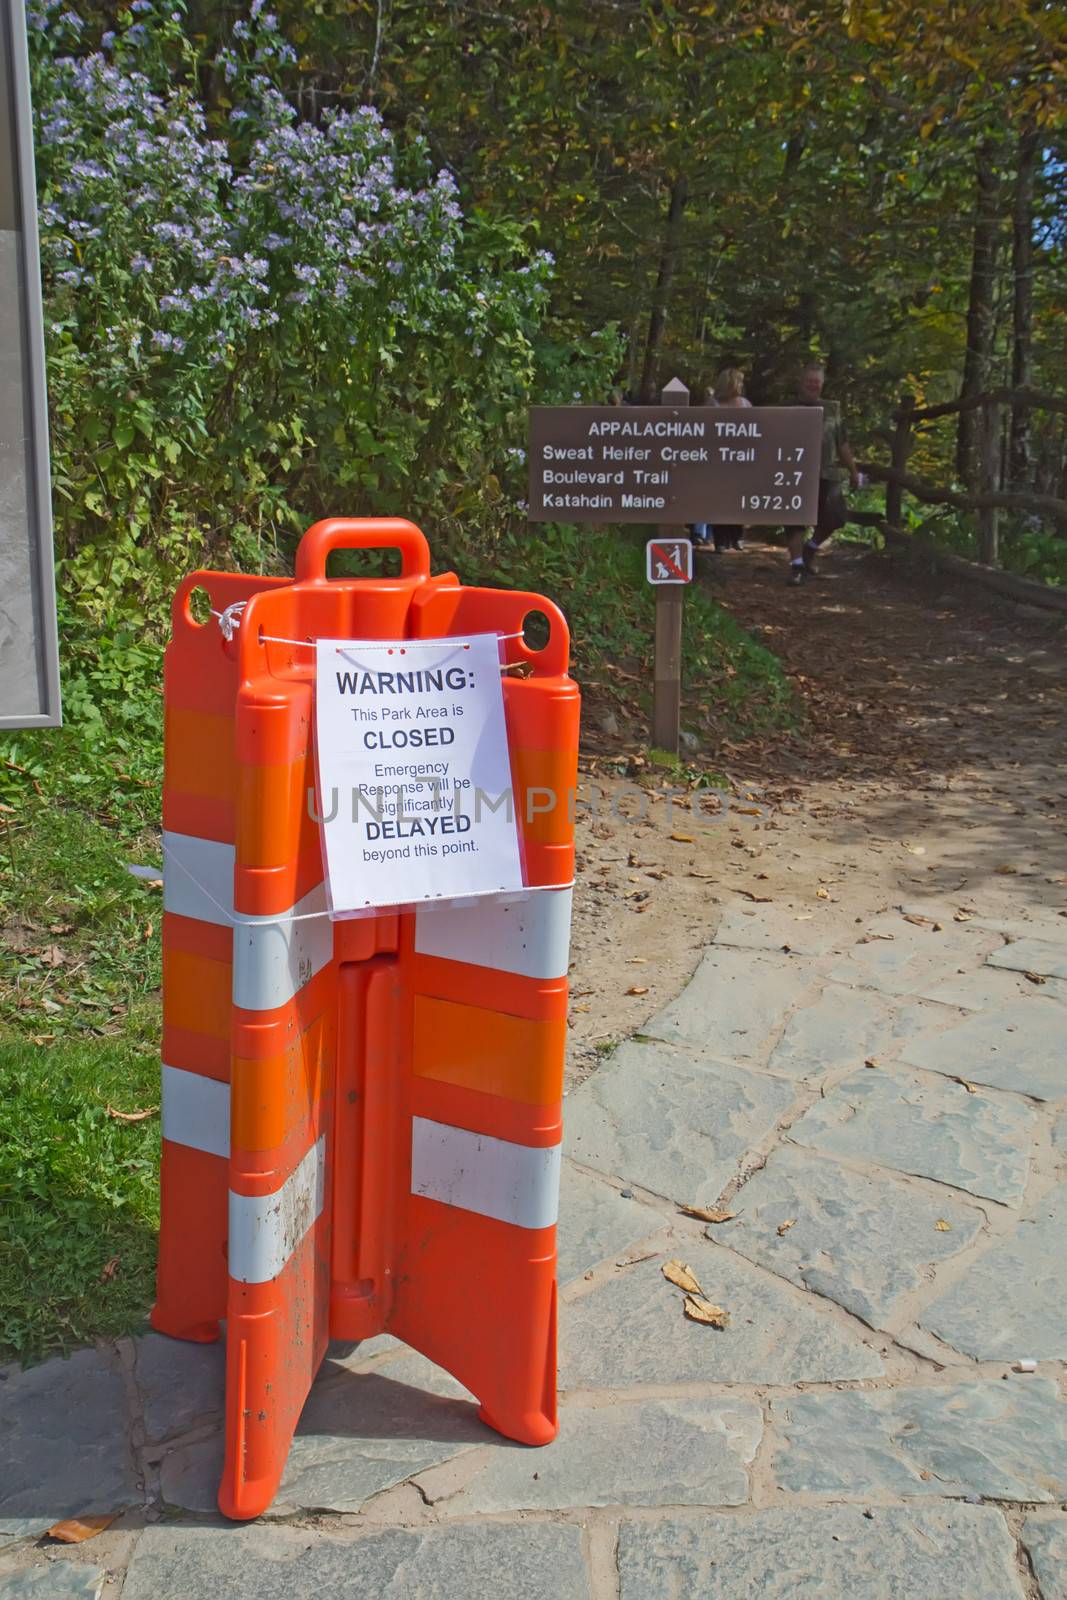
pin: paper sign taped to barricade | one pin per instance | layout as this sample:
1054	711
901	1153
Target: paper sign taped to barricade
414	775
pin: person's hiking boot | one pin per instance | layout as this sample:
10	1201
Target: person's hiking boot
797	574
807	555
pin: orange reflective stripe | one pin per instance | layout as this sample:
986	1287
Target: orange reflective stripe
197	992
275	820
544	788
272	1094
512	1057
200	755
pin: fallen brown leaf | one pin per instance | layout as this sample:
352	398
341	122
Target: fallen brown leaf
53	956
131	1116
708	1213
784	1227
970	1088
678	1273
697	1309
758	899
1034	977
942	1226
683	838
75	1530
637	989
748	811
870	1062
109	1269
1005	870
822	894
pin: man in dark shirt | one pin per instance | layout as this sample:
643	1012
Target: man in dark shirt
837	462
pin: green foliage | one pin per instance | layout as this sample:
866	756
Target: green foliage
78	1194
245	332
1026	547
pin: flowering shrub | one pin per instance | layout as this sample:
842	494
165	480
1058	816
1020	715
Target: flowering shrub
253	320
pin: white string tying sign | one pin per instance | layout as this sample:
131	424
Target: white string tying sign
229	622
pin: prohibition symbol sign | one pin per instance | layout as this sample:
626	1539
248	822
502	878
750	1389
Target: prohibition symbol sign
669	561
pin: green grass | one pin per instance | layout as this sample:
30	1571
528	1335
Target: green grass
80	937
79	1005
79	1207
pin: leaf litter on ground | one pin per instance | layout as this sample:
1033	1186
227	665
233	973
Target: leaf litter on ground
707	1213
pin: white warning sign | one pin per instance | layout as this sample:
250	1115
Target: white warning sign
414	777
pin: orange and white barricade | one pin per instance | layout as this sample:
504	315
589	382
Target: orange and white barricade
361	1118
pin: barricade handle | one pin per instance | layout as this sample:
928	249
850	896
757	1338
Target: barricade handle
362	533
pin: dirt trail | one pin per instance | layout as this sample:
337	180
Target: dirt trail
930	769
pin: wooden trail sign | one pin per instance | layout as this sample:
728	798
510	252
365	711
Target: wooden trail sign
675	463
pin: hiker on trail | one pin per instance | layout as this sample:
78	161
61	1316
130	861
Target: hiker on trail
837	462
729	390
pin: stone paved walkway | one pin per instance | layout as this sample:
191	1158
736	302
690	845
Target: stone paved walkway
884	1116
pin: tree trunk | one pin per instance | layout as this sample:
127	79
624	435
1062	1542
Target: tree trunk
980	308
989	456
1022	304
668	261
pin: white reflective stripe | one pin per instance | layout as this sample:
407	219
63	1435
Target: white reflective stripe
266	1229
196	1111
514	1183
273	957
189	862
528	934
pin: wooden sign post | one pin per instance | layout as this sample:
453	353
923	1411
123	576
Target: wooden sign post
670	610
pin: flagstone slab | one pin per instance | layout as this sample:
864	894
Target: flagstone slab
633	1329
1020	1047
1045	1538
900	958
861	1239
524	1561
595	1222
979	1142
64	1446
988	988
734	1004
840	1028
180	1383
822	1553
643	1453
1033	955
673	1124
359	1433
58	1580
773	927
1001	1440
1010	1304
